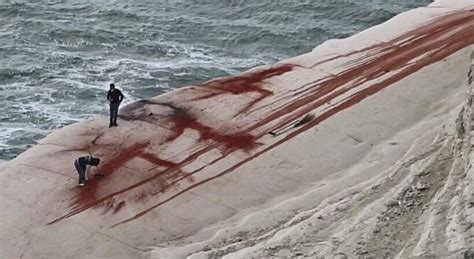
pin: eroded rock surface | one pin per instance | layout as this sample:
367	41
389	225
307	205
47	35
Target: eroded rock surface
379	166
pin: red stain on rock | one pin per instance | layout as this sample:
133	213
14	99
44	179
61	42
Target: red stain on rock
182	120
446	35
245	83
88	197
415	50
157	161
122	158
401	56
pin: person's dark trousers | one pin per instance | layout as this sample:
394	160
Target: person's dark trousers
81	170
114	113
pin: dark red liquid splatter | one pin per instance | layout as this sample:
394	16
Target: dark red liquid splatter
404	55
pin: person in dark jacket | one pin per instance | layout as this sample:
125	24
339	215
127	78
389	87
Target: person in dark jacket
81	164
115	97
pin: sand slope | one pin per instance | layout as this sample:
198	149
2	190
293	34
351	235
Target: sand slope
381	168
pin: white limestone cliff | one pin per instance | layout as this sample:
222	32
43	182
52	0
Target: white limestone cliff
382	167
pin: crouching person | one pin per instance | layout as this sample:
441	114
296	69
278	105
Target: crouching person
82	164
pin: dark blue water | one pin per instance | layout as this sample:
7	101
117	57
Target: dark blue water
58	58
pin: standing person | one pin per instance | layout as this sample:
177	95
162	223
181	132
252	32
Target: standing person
115	97
81	165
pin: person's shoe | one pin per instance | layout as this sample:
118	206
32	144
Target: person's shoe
115	125
111	125
81	184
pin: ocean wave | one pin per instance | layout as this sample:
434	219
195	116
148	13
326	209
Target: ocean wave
11	73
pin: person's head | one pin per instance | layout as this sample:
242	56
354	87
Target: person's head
112	86
95	161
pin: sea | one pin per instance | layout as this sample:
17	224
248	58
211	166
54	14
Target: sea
57	58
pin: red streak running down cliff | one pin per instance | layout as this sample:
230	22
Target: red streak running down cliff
365	75
242	84
181	121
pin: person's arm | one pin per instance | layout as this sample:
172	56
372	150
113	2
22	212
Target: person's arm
108	96
88	171
120	96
